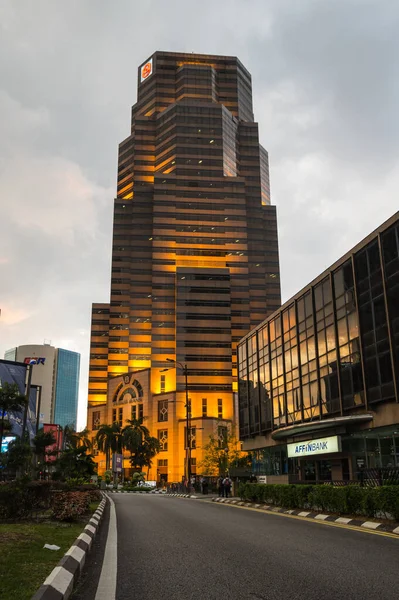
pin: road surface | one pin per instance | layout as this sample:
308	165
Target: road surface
193	549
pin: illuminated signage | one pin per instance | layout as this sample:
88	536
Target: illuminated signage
146	70
314	447
38	361
5	441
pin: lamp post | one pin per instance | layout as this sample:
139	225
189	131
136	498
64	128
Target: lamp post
38	404
188	430
27	394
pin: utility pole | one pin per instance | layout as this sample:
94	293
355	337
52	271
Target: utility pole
27	395
184	370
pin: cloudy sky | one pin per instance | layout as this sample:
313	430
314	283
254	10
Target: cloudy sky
325	80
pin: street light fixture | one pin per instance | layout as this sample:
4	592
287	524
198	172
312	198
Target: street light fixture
188	424
32	362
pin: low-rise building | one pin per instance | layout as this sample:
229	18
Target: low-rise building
319	379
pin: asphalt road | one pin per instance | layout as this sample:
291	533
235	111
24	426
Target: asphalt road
192	549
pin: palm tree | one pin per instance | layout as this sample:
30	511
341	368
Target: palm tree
40	442
152	447
109	439
74	439
10	400
134	433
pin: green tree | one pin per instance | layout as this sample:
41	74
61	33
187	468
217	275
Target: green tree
10	400
109	440
40	442
74	439
133	434
75	463
19	456
144	453
222	452
137	440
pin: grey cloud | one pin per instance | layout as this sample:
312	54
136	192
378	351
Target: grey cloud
325	95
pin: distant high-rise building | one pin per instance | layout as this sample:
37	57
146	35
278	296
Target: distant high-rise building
195	253
57	372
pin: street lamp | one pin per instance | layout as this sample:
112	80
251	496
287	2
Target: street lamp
188	431
27	395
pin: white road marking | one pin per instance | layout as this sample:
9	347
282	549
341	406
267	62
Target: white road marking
106	589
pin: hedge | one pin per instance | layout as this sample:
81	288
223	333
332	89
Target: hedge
137	488
21	499
349	499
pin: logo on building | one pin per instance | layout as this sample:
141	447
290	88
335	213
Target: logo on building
146	70
38	361
312	447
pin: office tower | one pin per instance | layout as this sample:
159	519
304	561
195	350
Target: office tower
195	253
56	372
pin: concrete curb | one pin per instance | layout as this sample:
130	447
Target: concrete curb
394	528
59	584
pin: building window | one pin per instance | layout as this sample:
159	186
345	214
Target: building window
96	420
114	415
220	408
162	411
163	462
137	412
204	407
120	415
194	462
163	439
163	377
222	437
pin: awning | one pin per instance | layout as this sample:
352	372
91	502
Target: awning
316	426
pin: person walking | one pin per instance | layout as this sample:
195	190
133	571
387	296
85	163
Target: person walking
227	486
220	487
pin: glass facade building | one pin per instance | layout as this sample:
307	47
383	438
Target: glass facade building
66	393
327	364
195	255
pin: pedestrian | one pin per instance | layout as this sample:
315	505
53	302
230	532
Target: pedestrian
220	487
204	487
227	486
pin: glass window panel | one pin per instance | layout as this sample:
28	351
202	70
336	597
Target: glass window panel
301	310
311	349
330	336
303	353
321	342
339	283
342	331
287	359
318	296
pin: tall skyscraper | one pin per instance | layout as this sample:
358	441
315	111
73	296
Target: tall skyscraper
195	252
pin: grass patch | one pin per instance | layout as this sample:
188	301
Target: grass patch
24	563
93	506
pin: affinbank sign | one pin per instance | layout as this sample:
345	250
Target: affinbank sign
313	447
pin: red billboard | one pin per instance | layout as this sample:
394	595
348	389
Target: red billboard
53	450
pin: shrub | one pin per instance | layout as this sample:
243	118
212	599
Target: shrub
19	499
69	506
388	500
137	488
350	499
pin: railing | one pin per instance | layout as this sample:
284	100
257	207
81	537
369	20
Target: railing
365	478
336	483
379	476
